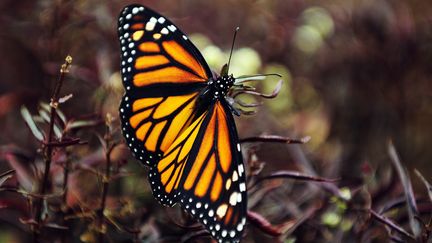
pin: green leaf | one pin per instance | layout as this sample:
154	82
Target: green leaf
32	125
44	115
81	123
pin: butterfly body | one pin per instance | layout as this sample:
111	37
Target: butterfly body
176	120
217	89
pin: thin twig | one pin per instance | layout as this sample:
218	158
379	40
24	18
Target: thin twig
285	174
66	143
274	139
389	223
6	175
265	226
409	194
106	180
48	149
65	190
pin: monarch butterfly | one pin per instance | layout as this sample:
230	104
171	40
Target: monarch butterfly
176	120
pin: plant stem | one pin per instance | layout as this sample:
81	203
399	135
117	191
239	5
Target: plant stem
105	180
65	192
66	178
49	148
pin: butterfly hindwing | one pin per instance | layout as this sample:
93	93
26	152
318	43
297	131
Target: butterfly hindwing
163	73
166	177
206	172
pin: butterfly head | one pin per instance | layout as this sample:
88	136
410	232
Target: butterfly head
221	84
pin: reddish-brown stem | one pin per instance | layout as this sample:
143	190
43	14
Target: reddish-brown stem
65	191
48	149
274	139
105	185
67	143
390	224
66	178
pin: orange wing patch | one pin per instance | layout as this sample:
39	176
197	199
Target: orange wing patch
206	146
145	103
137	118
154	115
217	188
176	64
209	156
176	156
181	55
183	117
205	180
142	131
165	75
223	139
149	47
150	61
137	26
152	139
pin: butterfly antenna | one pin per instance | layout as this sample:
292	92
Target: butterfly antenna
232	46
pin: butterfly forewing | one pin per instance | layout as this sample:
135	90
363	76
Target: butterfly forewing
163	73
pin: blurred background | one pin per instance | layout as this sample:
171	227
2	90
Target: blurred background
356	75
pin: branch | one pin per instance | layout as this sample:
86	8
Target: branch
275	139
49	148
106	179
389	223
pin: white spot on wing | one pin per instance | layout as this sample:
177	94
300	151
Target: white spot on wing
242	187
161	20
241	169
164	31
235	176
233	199
172	28
150	26
221	211
239	227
